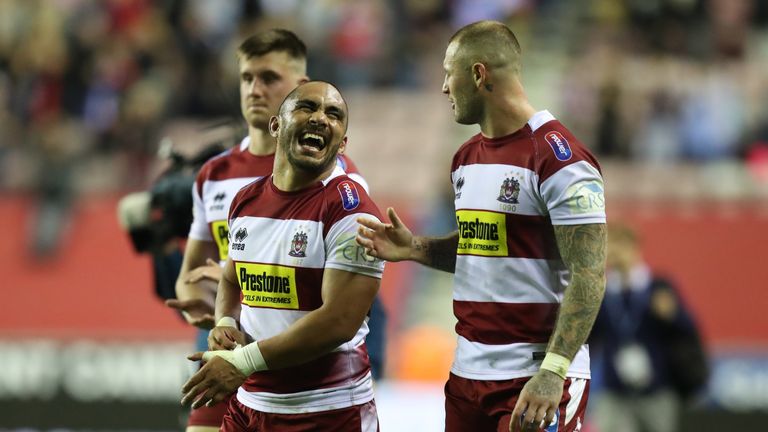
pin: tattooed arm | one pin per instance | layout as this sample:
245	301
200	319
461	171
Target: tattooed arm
582	248
437	252
395	242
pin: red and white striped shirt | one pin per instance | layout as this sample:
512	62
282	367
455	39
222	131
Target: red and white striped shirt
510	278
221	178
281	243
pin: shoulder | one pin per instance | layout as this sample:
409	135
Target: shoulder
557	148
345	196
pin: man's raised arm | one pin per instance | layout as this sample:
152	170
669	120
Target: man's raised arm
395	242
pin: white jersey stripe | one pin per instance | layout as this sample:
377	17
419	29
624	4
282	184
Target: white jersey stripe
271	322
502	362
275	237
477	194
353	393
502	277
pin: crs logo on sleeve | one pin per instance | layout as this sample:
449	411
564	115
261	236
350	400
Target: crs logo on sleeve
586	197
559	145
350	199
351	253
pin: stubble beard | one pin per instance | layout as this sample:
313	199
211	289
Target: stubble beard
470	114
312	167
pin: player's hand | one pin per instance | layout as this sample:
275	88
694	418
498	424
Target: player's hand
391	242
538	402
213	383
211	271
225	338
196	311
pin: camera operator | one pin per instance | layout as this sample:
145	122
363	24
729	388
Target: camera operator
157	220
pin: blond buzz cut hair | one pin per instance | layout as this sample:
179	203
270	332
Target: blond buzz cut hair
489	42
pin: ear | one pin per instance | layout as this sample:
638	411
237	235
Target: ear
342	146
479	74
274	126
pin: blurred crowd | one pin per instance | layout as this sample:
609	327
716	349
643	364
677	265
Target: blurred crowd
88	88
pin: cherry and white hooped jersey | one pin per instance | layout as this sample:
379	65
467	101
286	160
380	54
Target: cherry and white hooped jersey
510	278
281	243
221	178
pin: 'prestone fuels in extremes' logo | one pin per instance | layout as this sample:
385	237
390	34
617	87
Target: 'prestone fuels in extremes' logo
481	233
271	286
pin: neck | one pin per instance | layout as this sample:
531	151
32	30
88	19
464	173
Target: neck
507	111
289	178
261	142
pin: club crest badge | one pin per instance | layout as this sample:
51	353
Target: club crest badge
509	191
299	245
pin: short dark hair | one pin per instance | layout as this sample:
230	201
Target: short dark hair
300	86
279	40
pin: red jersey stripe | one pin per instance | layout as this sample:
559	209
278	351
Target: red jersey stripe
332	370
505	323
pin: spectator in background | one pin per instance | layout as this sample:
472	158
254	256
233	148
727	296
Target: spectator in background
648	345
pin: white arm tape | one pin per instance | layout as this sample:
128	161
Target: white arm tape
227	322
247	359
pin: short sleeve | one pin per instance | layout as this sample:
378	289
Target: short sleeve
343	252
575	195
199	228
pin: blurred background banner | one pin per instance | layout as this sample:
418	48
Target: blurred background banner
670	95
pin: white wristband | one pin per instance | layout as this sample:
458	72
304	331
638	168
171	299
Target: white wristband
247	359
226	322
556	363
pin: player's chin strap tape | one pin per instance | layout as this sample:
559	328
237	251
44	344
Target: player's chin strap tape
556	363
247	359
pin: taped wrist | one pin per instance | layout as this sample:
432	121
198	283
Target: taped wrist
227	322
556	363
247	359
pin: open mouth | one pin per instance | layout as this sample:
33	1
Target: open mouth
313	140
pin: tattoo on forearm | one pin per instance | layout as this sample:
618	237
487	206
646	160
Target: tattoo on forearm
440	252
582	248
